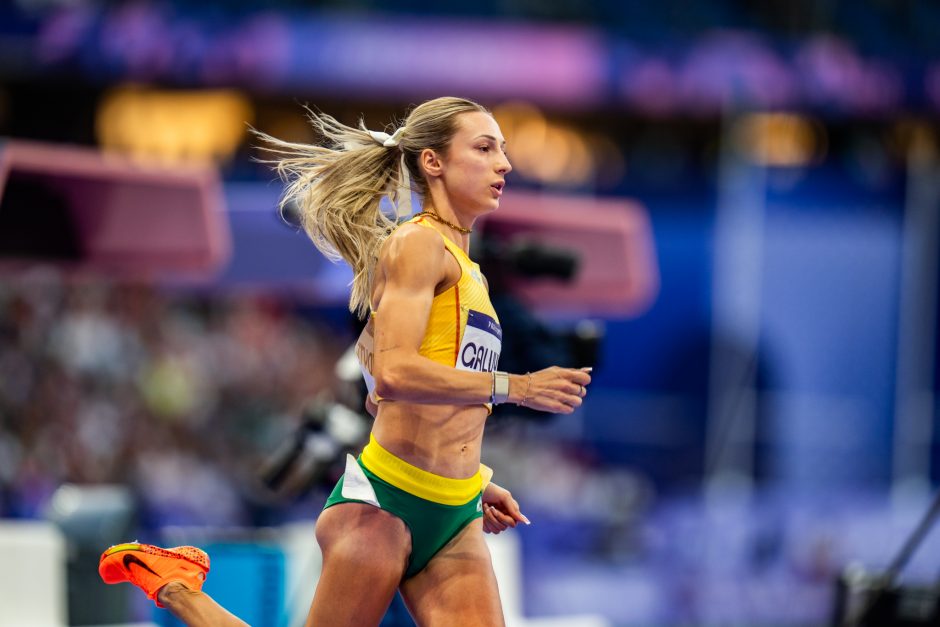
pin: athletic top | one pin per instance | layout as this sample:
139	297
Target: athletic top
463	330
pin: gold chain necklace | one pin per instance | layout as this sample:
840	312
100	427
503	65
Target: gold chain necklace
434	216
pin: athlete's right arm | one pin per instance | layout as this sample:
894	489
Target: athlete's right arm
413	264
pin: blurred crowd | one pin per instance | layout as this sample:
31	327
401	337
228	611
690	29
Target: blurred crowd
182	397
178	396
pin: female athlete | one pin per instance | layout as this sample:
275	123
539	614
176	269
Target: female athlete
410	512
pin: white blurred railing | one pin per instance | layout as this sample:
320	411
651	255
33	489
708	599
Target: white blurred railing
32	577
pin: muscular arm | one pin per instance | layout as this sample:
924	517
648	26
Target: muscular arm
413	265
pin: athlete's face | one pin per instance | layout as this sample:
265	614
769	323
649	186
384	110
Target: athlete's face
475	166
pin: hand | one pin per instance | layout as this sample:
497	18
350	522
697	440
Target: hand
500	510
556	390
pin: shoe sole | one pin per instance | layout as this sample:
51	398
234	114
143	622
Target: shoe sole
118	548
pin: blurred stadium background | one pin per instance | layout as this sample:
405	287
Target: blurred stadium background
761	316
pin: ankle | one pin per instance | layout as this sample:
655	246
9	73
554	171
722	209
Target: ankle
170	591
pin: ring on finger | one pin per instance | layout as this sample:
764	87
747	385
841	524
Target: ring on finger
580	390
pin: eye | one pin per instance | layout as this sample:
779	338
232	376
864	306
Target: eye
484	148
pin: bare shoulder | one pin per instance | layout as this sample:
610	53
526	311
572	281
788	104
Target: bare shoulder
410	241
413	249
411	235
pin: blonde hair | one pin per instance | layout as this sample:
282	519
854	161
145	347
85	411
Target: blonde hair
338	186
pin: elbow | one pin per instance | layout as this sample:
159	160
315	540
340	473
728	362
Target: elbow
394	376
387	384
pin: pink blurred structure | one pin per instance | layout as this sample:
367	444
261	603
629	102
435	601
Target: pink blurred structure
618	273
113	215
100	213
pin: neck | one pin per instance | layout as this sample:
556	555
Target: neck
447	214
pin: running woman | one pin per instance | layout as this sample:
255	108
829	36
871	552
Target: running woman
410	512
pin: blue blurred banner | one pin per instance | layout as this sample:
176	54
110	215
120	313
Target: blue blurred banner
410	56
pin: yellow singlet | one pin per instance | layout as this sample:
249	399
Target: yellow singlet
463	330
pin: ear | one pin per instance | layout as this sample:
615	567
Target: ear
430	162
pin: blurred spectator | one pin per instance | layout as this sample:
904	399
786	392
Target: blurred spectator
178	396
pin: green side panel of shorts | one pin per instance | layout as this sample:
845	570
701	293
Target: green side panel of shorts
432	524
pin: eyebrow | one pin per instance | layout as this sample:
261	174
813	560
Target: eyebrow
502	143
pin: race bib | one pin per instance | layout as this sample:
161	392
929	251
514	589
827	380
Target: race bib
364	352
482	341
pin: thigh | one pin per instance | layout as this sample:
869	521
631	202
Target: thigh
365	551
458	586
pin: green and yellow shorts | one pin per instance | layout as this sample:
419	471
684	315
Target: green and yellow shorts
434	508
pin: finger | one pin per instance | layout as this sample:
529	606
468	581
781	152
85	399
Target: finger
560	408
504	518
579	377
564	395
578	390
489	517
561	402
552	406
511	507
514	511
573	401
494	519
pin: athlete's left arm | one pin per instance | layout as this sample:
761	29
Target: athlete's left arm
500	510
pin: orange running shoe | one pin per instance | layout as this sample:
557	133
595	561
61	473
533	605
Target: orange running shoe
150	568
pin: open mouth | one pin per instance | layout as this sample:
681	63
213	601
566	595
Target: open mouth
498	187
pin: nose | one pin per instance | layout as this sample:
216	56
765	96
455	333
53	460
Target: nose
504	167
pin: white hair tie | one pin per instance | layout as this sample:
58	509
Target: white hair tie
399	192
389	141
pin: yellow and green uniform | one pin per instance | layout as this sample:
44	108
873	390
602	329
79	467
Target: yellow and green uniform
462	332
388	482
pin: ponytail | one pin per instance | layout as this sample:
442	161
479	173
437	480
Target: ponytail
338	187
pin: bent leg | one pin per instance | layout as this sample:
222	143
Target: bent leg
196	608
172	577
365	552
458	586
